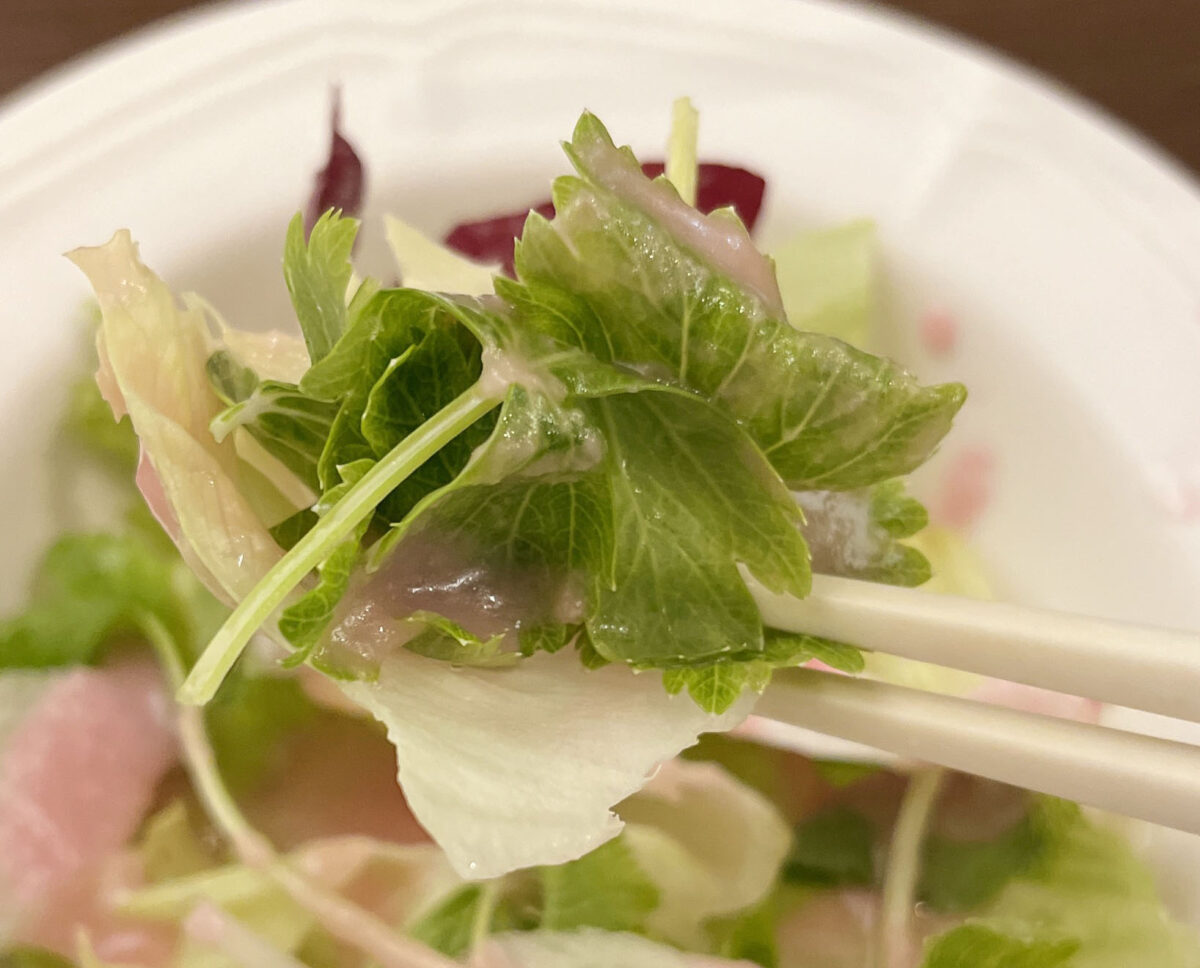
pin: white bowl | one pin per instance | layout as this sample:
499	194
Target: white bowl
1065	247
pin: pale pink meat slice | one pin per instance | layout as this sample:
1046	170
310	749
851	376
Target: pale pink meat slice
77	775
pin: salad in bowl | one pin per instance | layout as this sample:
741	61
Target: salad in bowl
426	638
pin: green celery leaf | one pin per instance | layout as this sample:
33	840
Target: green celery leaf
317	273
604	889
897	512
440	638
716	686
589	658
959	876
978	946
532	498
248	719
290	425
303	623
856	533
656	487
88	589
783	649
749	936
546	637
691	498
608	275
453	923
413	387
835	848
231	380
380	399
290	530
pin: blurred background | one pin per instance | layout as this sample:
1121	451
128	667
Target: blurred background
1139	60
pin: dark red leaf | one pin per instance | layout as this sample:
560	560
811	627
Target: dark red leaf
718	186
340	183
491	240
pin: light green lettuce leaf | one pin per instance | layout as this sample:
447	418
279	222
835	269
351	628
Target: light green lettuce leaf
711	845
683	165
977	946
1090	887
699	854
402	878
267	354
153	357
170	848
827	279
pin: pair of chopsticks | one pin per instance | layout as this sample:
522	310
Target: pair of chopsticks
1155	670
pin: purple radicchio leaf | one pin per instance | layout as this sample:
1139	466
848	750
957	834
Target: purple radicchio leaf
341	182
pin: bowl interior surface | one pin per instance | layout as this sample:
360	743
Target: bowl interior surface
1064	249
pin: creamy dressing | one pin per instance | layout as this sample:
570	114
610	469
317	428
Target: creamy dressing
503	368
431	574
838	530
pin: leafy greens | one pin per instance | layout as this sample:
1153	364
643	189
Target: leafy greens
655	409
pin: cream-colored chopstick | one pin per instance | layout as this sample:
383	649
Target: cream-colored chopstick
1127	773
1156	670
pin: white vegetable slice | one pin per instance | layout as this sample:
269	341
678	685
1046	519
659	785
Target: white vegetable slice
518	767
713	846
153	356
426	264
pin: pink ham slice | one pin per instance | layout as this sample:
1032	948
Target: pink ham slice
77	775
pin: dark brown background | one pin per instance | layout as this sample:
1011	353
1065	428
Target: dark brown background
1140	59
